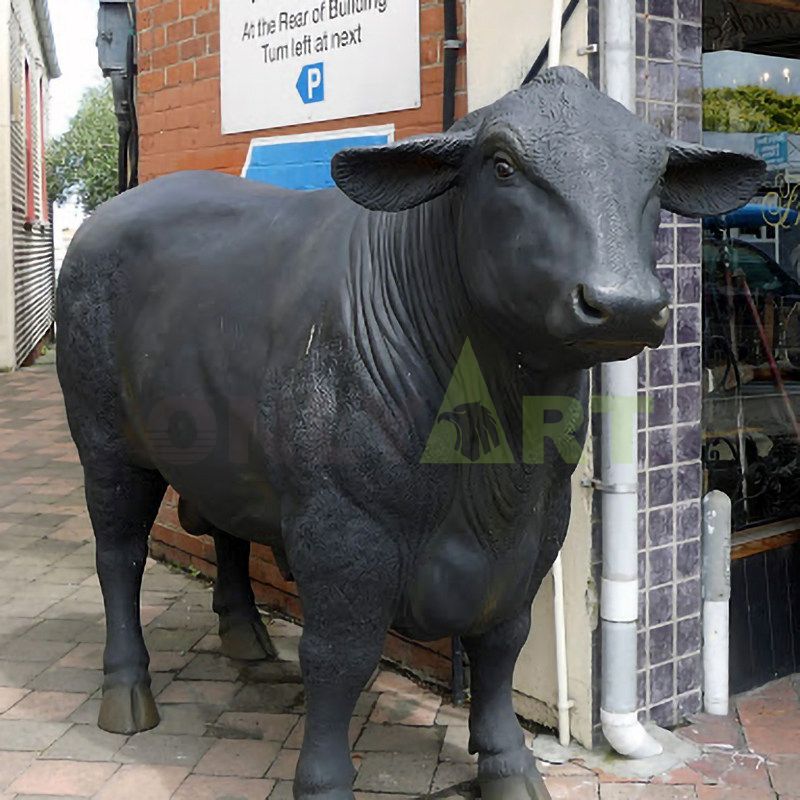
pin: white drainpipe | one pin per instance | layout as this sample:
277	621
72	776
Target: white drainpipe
562	674
619	475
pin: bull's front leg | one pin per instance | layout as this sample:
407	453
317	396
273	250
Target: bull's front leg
506	767
348	592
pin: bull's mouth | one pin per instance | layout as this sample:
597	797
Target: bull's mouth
596	351
611	344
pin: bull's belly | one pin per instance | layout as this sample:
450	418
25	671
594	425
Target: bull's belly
241	502
459	588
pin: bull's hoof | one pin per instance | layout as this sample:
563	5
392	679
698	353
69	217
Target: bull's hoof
511	776
329	794
246	639
529	786
128	709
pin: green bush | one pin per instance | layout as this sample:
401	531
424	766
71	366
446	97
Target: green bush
750	109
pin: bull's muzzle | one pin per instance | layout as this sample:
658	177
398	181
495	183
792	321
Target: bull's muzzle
619	316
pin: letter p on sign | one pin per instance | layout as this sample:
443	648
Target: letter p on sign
311	83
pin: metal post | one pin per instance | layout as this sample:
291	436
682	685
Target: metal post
457	684
716	600
116	51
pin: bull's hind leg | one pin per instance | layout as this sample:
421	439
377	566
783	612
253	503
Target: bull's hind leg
123	502
506	768
241	631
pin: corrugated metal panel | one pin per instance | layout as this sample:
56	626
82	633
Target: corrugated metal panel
34	269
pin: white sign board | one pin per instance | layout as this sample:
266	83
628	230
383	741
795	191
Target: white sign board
285	62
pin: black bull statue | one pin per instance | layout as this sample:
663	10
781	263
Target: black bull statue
306	341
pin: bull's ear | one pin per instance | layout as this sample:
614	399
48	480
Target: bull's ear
701	182
394	177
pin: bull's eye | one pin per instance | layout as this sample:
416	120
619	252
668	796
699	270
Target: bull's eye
503	168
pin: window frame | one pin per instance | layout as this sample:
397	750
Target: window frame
30	201
45	210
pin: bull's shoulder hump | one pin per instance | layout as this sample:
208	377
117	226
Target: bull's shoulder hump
202	191
172	205
196	187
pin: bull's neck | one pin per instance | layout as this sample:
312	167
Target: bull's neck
409	299
412	313
410	316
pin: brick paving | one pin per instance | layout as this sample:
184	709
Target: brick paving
232	732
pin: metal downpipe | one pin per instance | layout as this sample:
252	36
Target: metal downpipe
619	473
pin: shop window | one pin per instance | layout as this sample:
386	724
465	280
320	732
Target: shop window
751	265
42	153
30	212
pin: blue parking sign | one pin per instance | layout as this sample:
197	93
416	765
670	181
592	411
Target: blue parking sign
311	83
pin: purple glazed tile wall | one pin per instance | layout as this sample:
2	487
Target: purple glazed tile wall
669	96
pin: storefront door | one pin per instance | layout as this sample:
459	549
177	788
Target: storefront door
751	327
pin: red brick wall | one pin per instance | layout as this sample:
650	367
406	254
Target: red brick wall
178	108
178	89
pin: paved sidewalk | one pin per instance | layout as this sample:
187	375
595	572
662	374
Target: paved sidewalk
231	732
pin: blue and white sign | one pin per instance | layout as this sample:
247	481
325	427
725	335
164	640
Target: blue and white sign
773	148
311	83
286	62
304	161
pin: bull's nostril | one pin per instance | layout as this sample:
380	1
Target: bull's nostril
661	319
590	311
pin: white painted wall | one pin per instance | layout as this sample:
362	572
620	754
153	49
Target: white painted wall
7	360
504	38
535	690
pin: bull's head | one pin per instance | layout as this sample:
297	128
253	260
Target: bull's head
561	191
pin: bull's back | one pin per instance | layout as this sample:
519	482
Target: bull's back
221	242
197	286
202	262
